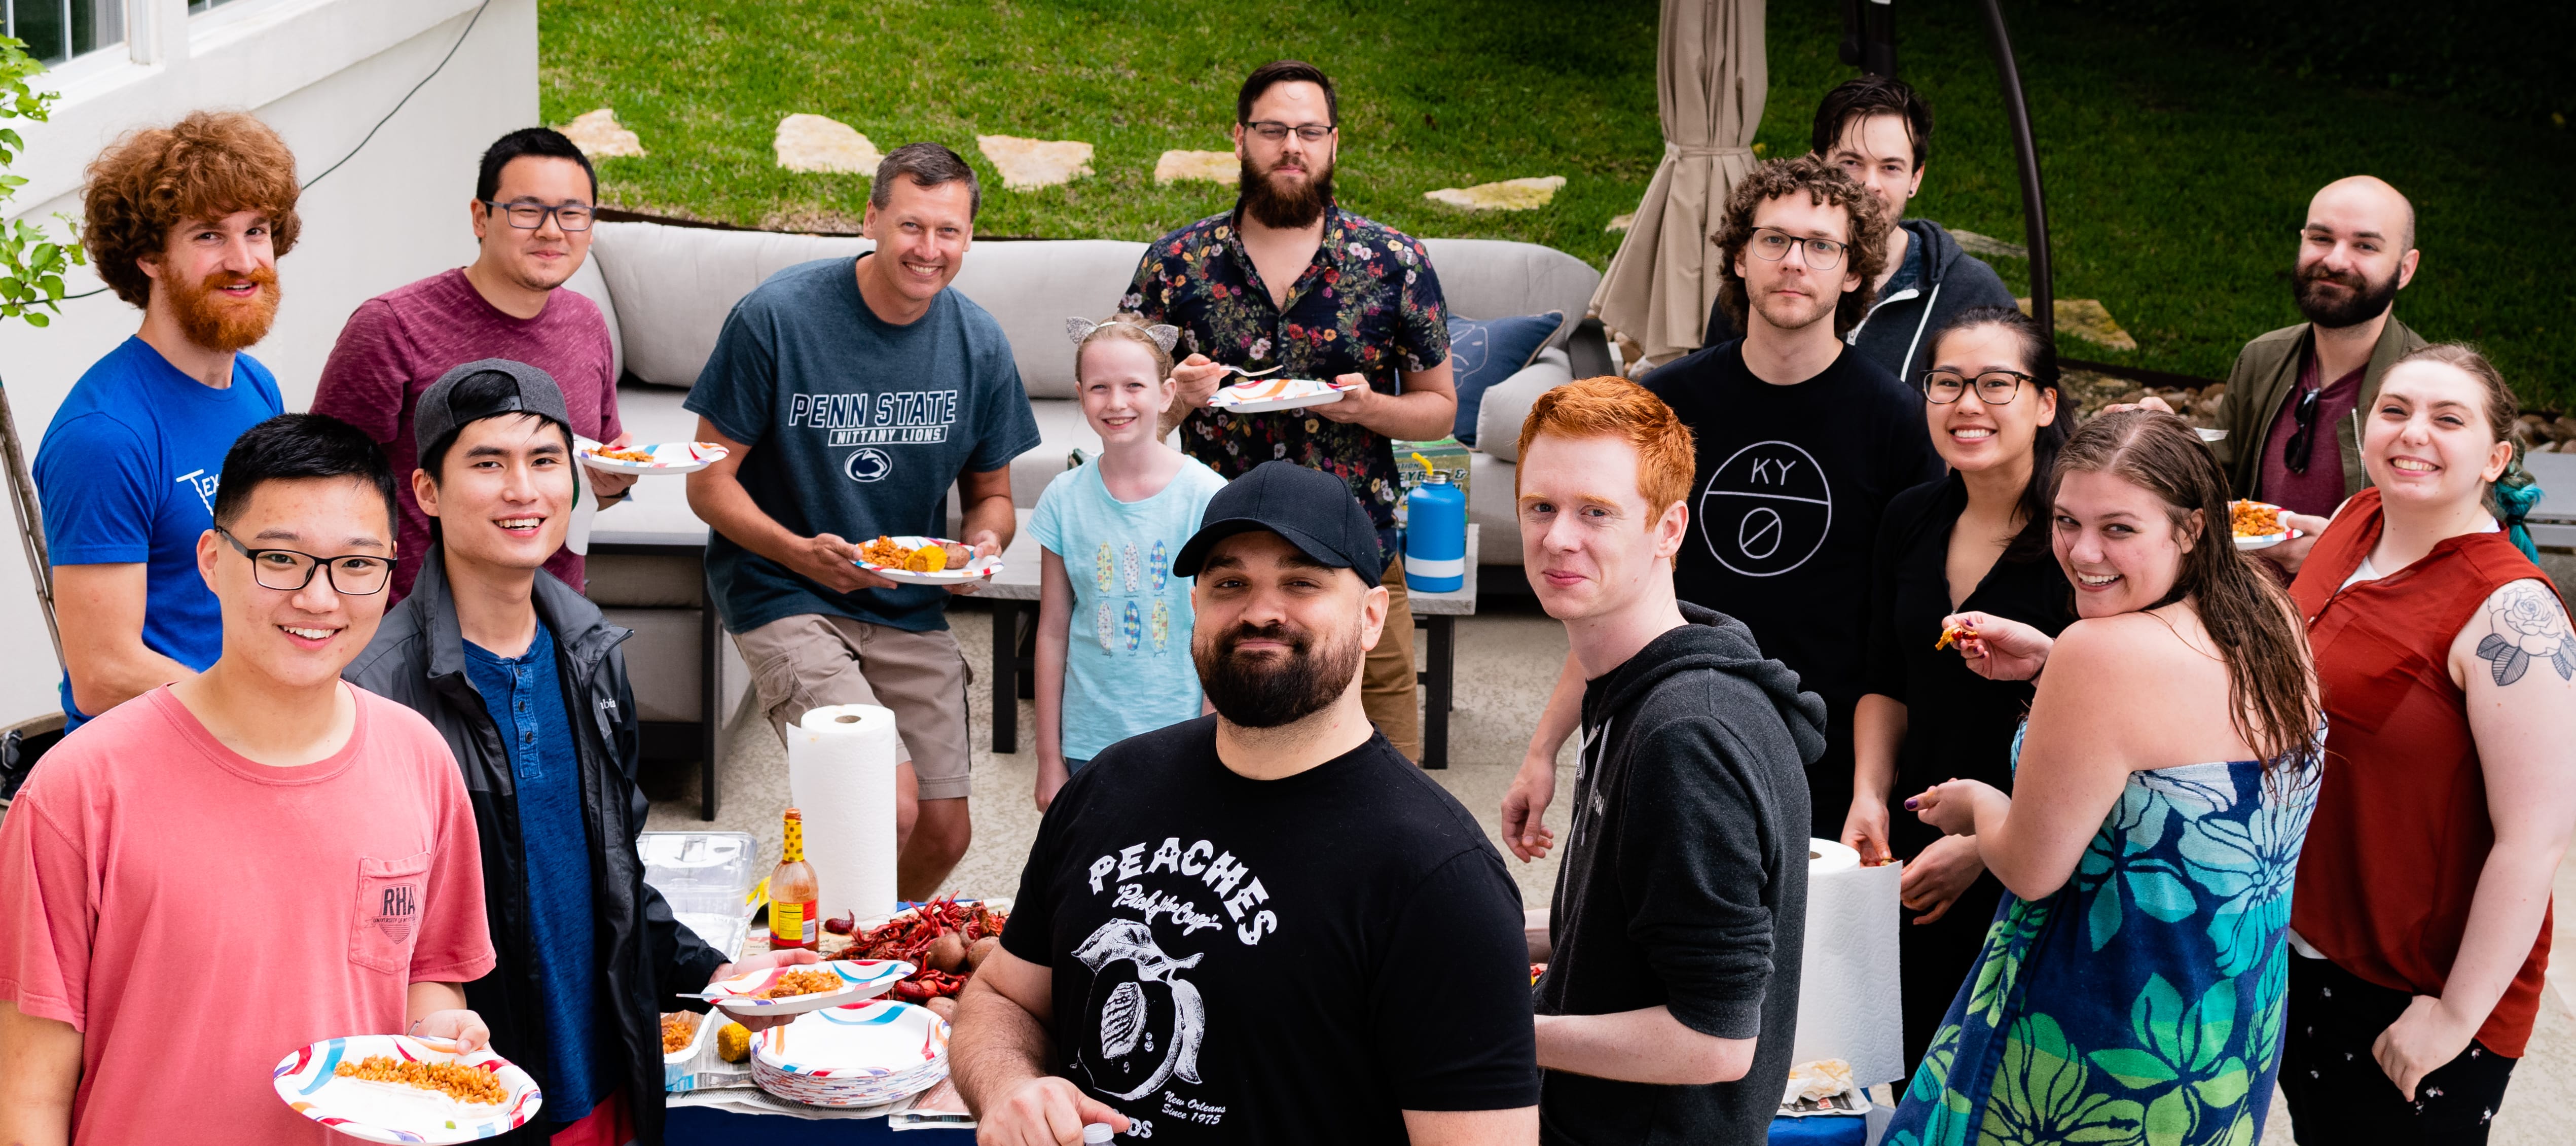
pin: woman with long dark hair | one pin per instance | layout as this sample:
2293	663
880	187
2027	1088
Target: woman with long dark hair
2132	983
1973	541
2450	681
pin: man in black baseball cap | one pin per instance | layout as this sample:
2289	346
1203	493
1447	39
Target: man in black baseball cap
523	678
1187	874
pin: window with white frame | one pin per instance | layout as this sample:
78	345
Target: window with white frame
196	6
57	30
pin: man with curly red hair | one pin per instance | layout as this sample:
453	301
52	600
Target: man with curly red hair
186	222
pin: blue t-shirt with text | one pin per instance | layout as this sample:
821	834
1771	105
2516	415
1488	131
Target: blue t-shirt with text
856	428
127	474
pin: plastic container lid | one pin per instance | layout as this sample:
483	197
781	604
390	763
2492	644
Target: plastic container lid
1096	1133
707	873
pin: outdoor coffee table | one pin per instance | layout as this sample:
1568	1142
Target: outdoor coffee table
1014	594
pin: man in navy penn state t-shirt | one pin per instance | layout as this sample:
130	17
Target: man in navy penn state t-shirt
128	470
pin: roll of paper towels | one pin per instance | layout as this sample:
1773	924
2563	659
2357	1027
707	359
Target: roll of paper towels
840	772
1848	1001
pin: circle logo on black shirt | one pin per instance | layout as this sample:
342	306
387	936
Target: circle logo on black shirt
1766	510
869	464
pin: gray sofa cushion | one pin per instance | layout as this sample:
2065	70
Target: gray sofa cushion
1507	404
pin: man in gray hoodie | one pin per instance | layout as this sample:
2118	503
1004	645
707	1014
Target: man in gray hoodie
1670	1002
1879	131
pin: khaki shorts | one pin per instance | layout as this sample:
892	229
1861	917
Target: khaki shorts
812	661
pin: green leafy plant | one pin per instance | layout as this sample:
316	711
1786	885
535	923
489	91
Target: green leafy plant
31	263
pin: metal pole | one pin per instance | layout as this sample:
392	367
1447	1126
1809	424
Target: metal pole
31	523
2034	202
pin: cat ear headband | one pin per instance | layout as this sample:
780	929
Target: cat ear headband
1164	335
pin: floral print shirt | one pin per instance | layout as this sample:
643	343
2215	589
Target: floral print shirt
1367	304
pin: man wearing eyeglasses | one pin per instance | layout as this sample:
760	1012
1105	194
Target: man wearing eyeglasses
1289	281
523	679
531	213
1802	441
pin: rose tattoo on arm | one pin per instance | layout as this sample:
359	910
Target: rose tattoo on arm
2528	624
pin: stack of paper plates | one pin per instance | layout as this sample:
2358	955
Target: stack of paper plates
863	1055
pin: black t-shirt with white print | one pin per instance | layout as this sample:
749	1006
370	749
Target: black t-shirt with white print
1290	961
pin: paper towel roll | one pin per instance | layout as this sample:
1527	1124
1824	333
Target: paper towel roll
840	771
1848	1001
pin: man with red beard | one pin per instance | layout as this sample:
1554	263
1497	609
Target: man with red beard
185	222
1289	279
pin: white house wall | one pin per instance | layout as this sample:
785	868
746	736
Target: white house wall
321	72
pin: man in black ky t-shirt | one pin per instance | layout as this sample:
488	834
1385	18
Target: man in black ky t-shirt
1802	442
1263	925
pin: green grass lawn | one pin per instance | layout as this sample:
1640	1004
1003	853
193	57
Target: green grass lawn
2176	175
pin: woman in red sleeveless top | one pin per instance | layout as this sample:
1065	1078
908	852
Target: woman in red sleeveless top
2450	681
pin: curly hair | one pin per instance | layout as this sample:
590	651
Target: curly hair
203	167
1826	186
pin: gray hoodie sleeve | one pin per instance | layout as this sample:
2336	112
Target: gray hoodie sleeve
1694	852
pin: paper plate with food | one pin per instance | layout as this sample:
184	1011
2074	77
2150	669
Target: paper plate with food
1266	394
396	1088
926	561
2258	524
806	987
656	458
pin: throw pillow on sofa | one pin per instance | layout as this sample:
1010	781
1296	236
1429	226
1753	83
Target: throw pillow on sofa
1482	353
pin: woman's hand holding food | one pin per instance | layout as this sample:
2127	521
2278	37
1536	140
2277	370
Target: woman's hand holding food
1998	648
1937	878
2291	554
462	1027
762	962
1952	807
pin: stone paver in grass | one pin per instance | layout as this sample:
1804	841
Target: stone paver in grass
1507	195
1028	164
2088	319
1977	244
599	136
1211	166
820	143
1620	223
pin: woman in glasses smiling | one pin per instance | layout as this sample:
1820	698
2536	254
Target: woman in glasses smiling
1975	543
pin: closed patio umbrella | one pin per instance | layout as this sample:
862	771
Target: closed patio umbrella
1710	81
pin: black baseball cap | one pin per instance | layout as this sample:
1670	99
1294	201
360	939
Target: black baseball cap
1312	509
439	413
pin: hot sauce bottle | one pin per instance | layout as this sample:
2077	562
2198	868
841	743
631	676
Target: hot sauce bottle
792	890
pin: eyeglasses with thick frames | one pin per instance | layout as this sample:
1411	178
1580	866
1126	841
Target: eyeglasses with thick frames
289	570
1772	246
530	216
1273	131
1994	387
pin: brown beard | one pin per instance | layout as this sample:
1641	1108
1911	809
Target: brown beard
1286	210
2368	300
221	324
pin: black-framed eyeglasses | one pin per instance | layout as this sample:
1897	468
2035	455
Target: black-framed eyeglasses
289	570
2303	440
530	216
1273	131
1994	387
1772	246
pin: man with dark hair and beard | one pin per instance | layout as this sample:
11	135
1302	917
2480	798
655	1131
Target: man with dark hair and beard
185	222
1262	925
1289	279
2289	406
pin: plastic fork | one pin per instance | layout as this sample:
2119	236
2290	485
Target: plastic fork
1257	373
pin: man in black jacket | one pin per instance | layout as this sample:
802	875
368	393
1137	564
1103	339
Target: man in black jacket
1673	948
524	680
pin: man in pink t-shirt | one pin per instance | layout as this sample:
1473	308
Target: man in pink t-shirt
220	871
531	215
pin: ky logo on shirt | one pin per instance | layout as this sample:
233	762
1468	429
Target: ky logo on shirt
1766	510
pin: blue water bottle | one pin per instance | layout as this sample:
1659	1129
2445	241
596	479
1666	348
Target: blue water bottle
1435	534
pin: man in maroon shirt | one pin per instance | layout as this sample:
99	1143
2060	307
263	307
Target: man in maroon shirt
531	214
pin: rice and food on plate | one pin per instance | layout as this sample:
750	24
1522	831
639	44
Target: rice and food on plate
469	1085
2255	519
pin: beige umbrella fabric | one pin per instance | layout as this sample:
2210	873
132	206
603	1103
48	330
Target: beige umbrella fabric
1710	82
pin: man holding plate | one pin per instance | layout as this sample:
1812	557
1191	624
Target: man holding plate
850	395
1290	282
524	680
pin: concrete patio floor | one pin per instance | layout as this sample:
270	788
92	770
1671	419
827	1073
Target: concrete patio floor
1507	658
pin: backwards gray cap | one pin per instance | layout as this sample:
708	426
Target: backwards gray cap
438	415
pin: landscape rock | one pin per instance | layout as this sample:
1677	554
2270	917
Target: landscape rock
1620	223
2088	319
1028	164
1977	244
1507	195
599	136
1211	166
820	143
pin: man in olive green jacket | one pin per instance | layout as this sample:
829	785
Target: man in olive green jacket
2294	401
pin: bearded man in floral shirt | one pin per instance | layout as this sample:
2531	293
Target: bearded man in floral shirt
1290	279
